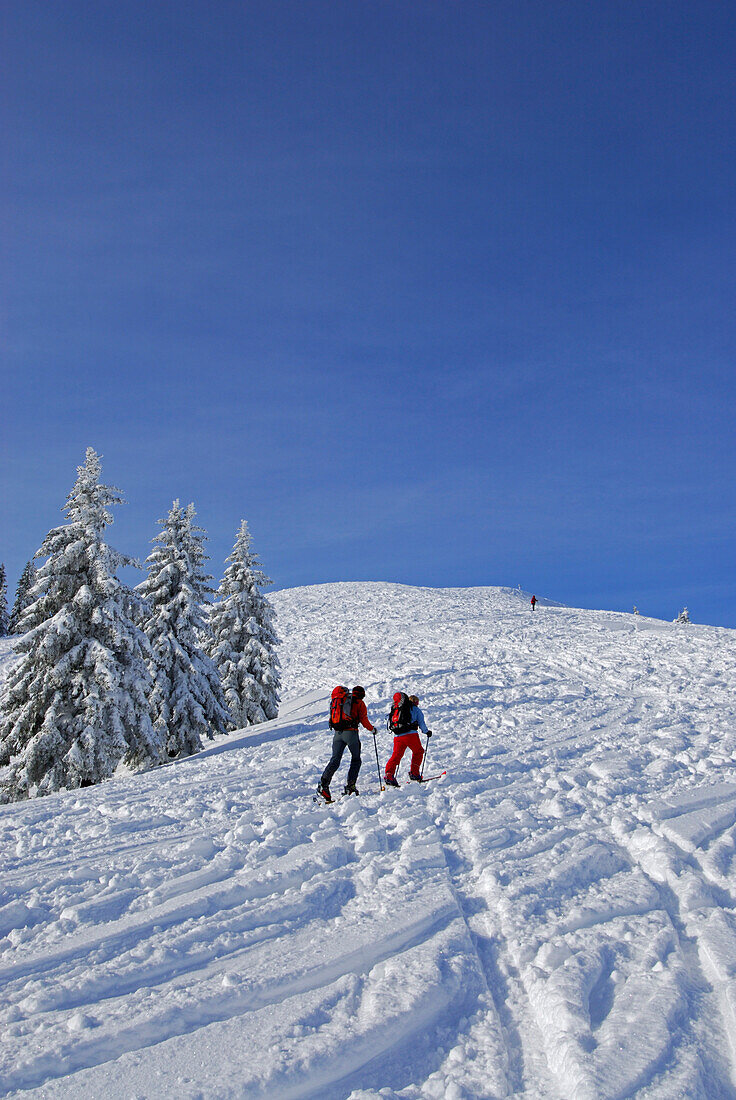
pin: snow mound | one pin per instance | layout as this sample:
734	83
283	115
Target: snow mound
554	917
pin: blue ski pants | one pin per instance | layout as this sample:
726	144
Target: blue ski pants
343	739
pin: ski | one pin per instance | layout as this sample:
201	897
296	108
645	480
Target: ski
320	801
426	779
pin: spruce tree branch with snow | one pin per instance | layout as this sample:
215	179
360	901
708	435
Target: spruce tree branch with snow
4	618
186	697
243	639
22	596
75	705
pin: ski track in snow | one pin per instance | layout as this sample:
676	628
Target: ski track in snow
555	918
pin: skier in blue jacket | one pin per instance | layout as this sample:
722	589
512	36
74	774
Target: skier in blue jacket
408	738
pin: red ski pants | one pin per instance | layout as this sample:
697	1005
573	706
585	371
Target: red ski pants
401	743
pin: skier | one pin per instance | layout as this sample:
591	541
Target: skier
345	735
534	602
405	719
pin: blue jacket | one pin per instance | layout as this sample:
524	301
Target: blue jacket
417	716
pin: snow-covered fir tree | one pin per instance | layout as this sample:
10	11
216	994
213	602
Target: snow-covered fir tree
22	596
186	699
683	617
75	705
244	641
3	602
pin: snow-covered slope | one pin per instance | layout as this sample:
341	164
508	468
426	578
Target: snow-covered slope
556	917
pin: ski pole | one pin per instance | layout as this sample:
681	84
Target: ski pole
424	760
378	766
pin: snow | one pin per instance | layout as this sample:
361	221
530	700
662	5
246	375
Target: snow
556	917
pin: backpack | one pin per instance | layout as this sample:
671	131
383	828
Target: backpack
399	719
341	706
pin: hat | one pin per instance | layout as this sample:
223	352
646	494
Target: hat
359	692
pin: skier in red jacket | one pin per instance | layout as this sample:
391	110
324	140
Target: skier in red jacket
345	735
533	602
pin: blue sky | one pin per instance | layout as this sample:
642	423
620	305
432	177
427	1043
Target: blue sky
432	292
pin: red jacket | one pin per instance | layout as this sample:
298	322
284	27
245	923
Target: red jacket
358	713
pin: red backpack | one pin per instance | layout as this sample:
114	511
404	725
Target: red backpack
341	708
399	720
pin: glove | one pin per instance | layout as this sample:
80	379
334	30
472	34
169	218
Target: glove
429	733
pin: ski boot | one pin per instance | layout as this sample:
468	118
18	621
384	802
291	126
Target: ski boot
350	789
415	776
391	781
324	792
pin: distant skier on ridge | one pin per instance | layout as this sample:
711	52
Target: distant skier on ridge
533	602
